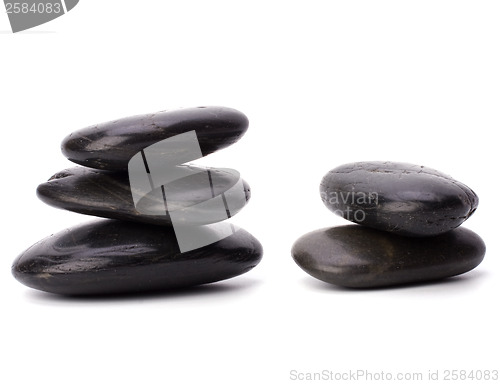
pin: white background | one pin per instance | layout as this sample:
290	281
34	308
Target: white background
323	83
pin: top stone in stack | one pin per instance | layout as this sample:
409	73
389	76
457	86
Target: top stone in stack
110	146
401	198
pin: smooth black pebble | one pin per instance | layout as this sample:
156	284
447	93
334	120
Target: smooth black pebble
110	257
111	145
406	199
360	257
108	194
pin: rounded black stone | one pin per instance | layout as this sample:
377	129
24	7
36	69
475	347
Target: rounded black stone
360	257
108	194
407	199
111	145
110	256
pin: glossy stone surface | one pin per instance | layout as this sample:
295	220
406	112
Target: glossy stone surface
111	145
360	257
108	194
406	199
110	256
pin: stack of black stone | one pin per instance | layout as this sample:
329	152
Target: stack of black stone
409	217
163	228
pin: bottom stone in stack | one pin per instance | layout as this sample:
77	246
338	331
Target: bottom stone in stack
111	256
360	257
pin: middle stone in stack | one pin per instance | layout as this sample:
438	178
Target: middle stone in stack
172	235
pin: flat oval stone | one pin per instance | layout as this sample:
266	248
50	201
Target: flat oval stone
111	145
360	257
108	194
407	199
110	256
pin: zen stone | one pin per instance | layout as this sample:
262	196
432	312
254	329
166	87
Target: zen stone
110	256
111	145
193	199
406	199
360	257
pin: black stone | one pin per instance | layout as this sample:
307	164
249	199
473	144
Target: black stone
107	194
111	145
407	199
109	257
360	257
